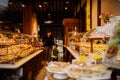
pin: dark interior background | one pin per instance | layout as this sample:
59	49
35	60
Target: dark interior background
55	10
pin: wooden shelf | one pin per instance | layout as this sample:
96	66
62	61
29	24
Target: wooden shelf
97	38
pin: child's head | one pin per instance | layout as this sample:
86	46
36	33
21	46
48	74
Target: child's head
55	46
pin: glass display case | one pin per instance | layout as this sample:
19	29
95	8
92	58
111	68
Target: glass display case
14	46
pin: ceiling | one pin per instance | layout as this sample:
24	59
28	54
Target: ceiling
55	10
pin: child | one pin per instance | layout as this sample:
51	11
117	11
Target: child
55	53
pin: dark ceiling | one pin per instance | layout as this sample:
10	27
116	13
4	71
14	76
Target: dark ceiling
45	9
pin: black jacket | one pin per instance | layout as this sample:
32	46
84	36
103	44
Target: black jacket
48	41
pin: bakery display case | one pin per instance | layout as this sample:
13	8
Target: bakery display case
21	56
93	41
14	46
82	44
98	50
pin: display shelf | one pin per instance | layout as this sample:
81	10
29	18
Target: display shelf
25	55
14	46
97	38
20	62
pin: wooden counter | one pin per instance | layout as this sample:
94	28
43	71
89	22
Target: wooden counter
70	54
27	68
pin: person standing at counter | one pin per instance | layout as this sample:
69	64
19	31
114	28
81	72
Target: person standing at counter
48	42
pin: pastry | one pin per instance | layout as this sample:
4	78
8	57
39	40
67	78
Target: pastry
112	51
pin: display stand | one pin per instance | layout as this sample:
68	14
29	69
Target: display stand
50	77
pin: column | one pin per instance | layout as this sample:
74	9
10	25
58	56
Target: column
30	25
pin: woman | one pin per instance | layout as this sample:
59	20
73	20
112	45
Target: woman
48	42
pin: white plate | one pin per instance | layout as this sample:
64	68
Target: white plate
60	72
60	76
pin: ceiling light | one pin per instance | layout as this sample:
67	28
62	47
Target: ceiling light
1	21
10	3
40	6
49	14
23	5
48	22
66	8
67	2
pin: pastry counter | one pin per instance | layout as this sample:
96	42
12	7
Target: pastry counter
83	49
20	62
25	68
21	56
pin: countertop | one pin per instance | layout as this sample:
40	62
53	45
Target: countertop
21	61
73	52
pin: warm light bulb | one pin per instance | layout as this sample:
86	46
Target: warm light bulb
23	5
1	21
66	8
67	2
10	3
40	6
48	22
